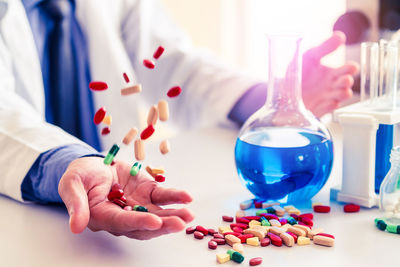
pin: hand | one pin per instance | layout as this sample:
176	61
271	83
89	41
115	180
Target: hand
84	188
325	88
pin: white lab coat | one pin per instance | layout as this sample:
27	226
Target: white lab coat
120	34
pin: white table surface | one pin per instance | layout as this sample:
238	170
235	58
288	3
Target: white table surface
201	162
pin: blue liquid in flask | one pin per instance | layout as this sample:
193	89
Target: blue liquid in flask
285	164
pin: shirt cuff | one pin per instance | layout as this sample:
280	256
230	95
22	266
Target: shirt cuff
41	182
250	102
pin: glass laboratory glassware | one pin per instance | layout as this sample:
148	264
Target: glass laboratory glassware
389	203
283	152
369	71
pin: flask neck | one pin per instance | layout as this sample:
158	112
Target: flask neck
284	81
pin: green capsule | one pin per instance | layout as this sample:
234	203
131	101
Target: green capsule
142	209
230	252
271	210
391	228
259	212
136	207
108	159
291	221
237	257
264	222
114	150
381	225
134	170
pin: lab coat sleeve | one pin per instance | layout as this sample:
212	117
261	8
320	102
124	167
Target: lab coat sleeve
24	134
210	90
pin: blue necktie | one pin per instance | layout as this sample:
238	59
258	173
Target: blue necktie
65	67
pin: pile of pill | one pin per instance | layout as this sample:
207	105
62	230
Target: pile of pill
267	226
116	196
156	112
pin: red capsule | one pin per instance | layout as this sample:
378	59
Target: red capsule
157	54
211	232
202	229
98	86
237	229
212	244
112	163
257	218
219	241
231	233
227	218
116	194
126	78
174	91
307	221
99	115
306	215
241	225
275	240
159	178
293	235
258	204
116	187
283	221
146	133
265	242
351	208
242	220
123	198
244	237
198	235
190	230
218	236
255	261
270	216
148	64
105	131
119	202
322	209
327	235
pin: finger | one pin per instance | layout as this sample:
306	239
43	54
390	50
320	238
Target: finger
170	225
165	196
112	218
74	195
186	215
345	81
350	68
328	46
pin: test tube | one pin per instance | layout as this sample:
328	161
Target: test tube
369	71
388	65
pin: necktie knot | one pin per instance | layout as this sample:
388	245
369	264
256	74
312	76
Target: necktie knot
58	9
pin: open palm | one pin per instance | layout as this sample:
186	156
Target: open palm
324	88
84	188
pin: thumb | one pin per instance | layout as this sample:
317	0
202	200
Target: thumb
75	198
337	39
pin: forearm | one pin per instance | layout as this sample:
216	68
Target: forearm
250	102
41	182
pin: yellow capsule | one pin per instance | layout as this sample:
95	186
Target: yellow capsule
107	120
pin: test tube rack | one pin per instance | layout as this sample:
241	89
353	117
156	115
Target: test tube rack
360	122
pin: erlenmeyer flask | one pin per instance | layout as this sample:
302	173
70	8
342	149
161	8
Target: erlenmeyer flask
283	152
